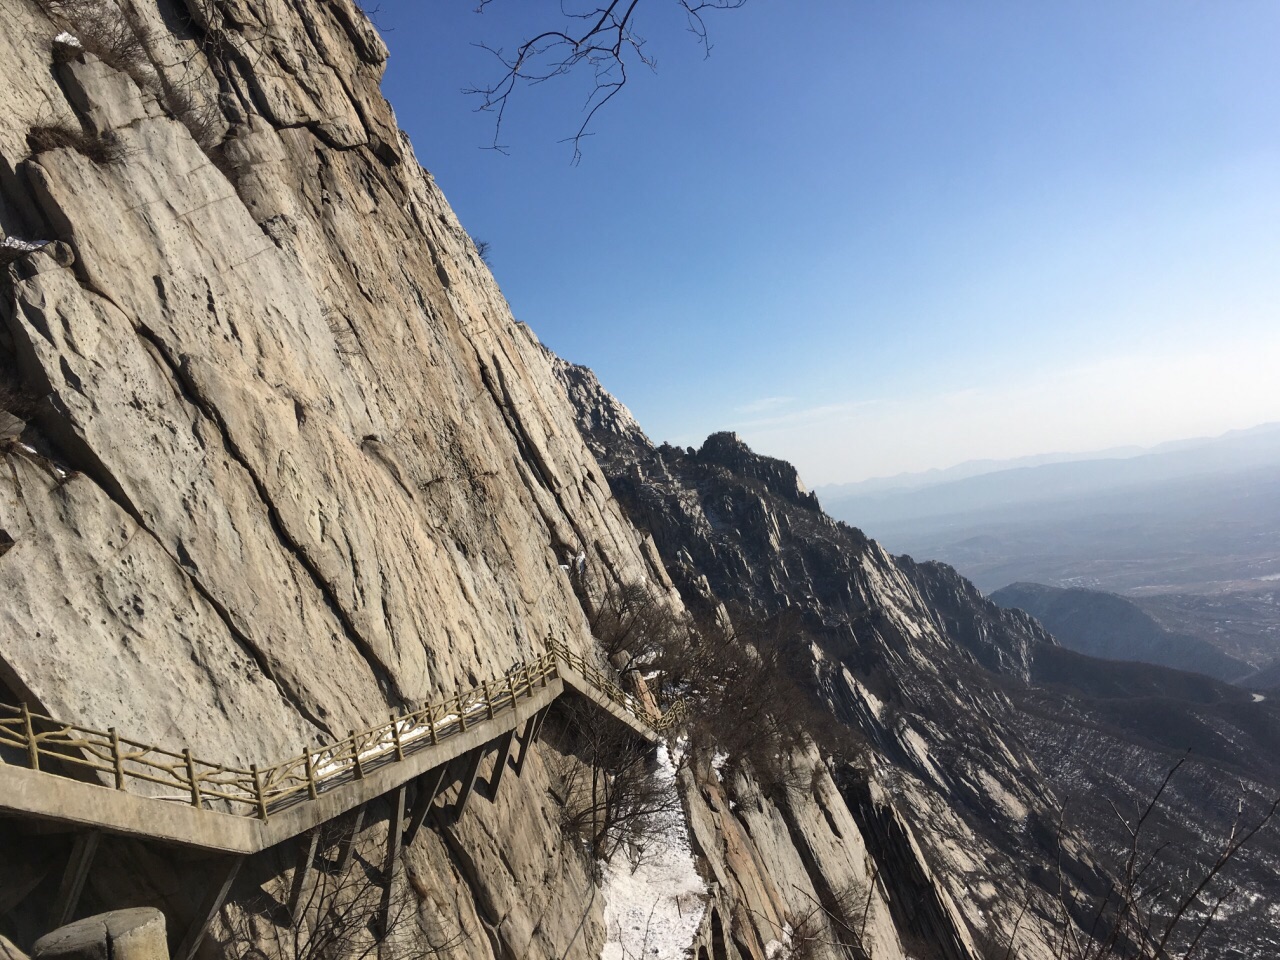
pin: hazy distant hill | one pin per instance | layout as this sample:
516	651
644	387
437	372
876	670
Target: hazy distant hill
834	492
1194	517
1108	626
1268	678
916	496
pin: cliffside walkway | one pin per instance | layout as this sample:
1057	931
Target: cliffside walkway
99	782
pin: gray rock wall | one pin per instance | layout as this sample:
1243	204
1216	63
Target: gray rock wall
292	403
289	463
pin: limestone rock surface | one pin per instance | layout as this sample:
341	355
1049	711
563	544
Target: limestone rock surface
137	934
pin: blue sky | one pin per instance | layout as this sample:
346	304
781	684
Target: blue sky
884	236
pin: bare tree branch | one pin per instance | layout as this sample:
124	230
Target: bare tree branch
599	37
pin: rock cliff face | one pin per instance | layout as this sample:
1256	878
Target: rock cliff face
279	461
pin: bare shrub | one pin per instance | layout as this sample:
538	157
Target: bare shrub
15	400
607	785
345	343
836	922
100	148
752	695
633	623
354	913
105	30
199	115
1152	910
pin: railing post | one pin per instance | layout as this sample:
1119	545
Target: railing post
310	766
257	791
117	763
528	680
29	731
395	735
191	775
488	697
511	686
355	754
431	723
462	714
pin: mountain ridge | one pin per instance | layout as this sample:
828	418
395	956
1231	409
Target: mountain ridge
1111	627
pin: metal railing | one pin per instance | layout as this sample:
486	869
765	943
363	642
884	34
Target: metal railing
62	748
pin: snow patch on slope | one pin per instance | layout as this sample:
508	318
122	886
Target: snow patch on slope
654	901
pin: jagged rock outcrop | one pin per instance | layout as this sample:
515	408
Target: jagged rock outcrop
970	762
1002	640
137	934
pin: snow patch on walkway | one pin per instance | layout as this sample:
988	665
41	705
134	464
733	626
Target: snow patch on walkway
653	909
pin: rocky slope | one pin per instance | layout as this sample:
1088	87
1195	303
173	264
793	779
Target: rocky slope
974	752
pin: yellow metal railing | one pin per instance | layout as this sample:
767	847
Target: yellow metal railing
58	747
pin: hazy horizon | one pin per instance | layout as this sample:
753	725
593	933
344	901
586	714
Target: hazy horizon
1047	456
884	238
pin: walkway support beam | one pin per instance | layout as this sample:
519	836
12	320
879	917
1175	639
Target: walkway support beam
73	878
302	870
429	785
532	730
220	880
468	782
348	841
499	764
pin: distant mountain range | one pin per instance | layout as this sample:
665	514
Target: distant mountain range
987	484
834	492
1195	516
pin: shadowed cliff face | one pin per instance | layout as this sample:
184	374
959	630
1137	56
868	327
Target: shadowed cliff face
975	757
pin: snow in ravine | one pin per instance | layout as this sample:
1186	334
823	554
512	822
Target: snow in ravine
653	901
16	245
775	948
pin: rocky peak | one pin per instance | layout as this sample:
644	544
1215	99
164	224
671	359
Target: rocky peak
1002	640
603	420
726	449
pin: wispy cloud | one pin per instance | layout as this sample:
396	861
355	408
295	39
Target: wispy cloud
1112	401
822	413
763	405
